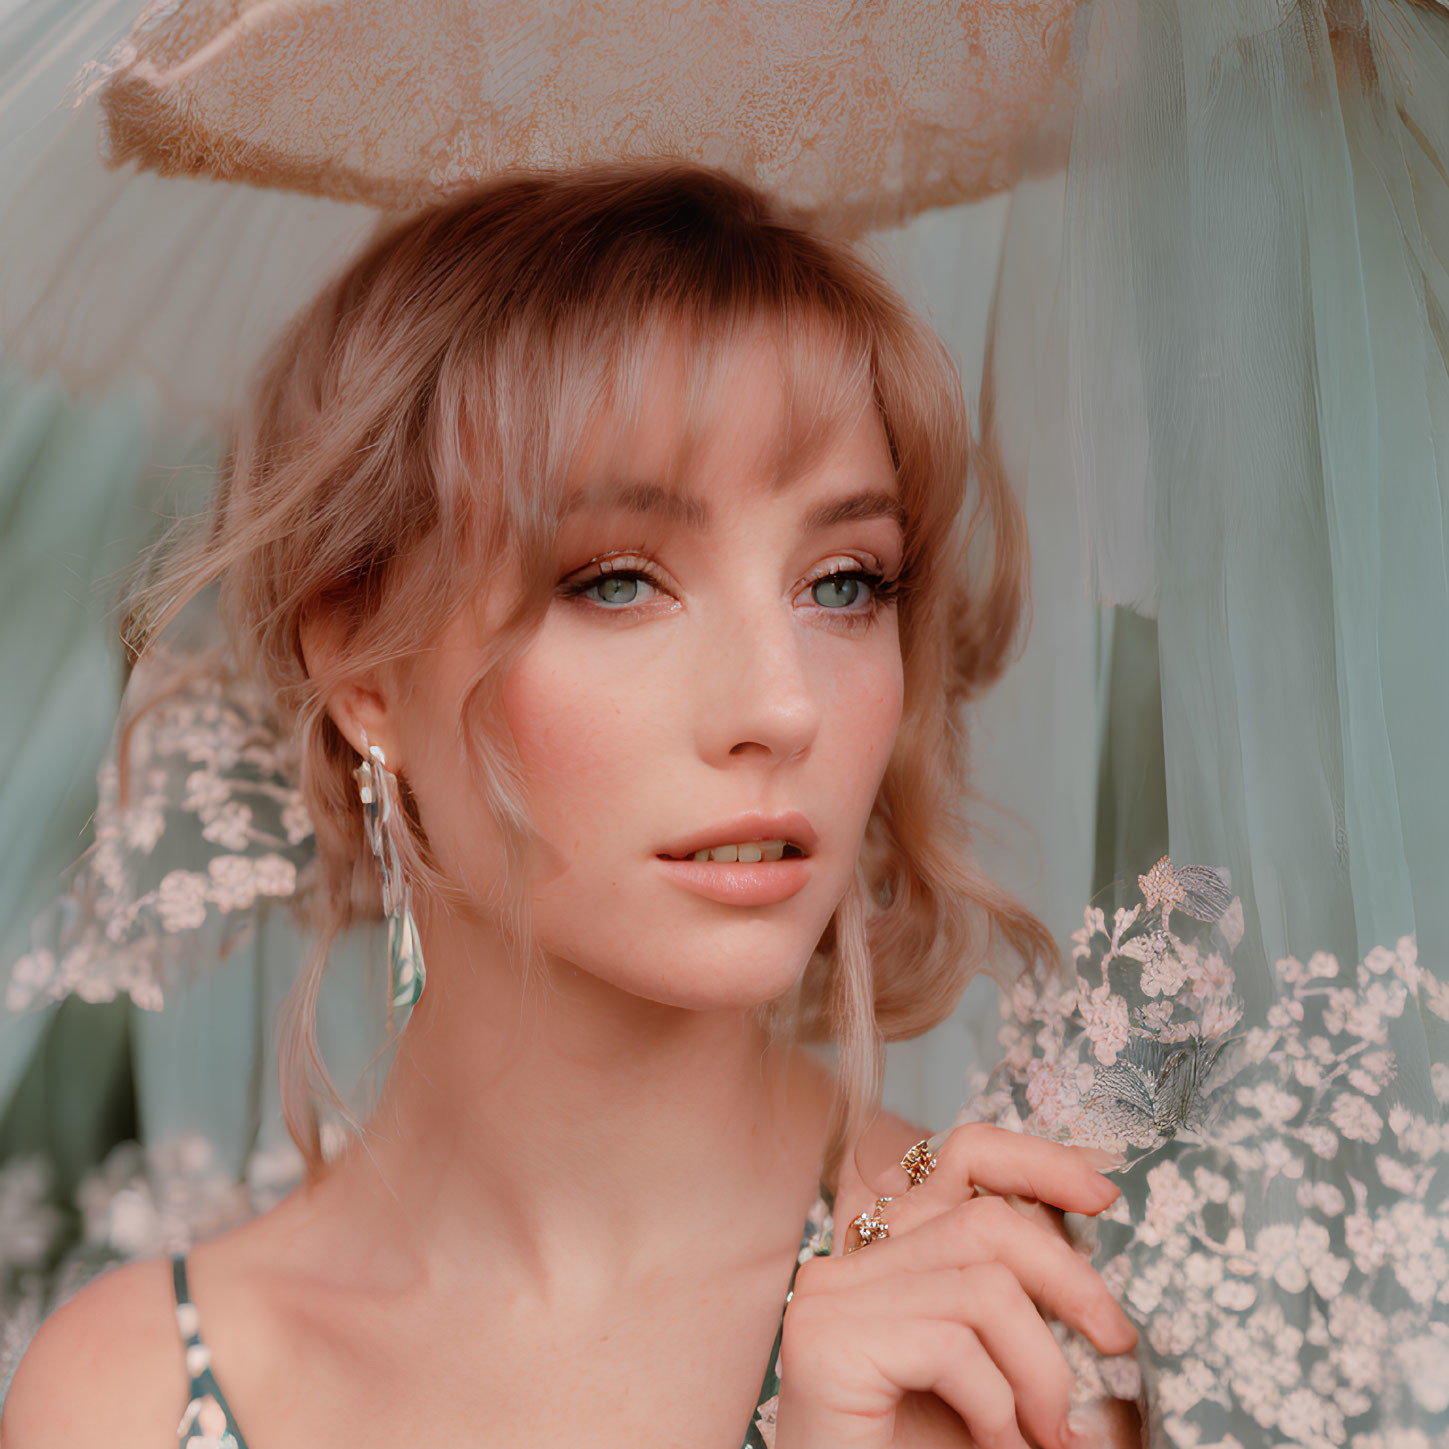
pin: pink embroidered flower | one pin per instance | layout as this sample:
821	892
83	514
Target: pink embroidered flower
1416	1134
275	875
181	900
1094	923
295	820
1170	1197
1277	1107
1353	1116
1155	1015
28	978
1379	960
229	825
1426	1364
1163	976
1220	1016
1160	886
233	885
1107	1024
143	826
1211	975
205	790
1323	1196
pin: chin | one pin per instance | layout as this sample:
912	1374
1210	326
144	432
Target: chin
718	987
711	977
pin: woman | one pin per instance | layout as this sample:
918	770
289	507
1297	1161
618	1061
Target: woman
598	538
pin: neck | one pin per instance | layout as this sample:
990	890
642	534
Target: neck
581	1133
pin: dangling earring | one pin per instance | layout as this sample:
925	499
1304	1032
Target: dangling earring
381	818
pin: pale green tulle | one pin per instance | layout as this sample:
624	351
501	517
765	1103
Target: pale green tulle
70	517
1241	364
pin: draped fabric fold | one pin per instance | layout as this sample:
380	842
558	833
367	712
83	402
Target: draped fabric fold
1231	308
1248	345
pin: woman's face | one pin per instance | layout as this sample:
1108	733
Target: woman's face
719	671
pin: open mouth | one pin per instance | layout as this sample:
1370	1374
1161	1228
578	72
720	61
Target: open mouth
746	852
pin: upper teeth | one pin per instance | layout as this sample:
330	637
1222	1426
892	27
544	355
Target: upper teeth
749	852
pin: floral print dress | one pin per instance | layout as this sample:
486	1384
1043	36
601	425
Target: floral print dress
208	1422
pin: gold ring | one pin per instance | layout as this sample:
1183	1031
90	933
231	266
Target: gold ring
919	1162
867	1228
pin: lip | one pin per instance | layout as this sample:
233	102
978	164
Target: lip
765	884
753	825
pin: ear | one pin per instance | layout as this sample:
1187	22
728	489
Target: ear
358	703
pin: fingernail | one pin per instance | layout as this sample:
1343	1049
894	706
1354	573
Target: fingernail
1106	1156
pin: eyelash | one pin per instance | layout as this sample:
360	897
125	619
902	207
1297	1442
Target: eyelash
884	591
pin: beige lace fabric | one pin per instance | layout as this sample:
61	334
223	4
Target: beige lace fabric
249	148
859	114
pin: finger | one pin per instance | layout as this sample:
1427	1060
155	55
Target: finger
986	1229
905	1213
1005	1319
988	1299
997	1161
979	1159
1051	1272
949	1360
1038	1212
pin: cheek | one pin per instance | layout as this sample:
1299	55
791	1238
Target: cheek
862	718
579	728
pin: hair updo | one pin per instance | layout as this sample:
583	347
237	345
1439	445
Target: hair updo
411	430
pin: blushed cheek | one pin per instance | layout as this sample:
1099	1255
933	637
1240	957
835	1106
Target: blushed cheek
575	734
878	724
863	717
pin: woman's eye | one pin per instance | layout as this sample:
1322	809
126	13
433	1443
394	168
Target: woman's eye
616	589
856	594
838	591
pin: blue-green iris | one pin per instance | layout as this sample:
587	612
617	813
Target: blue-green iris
838	591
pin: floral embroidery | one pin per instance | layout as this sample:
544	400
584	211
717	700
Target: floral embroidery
141	1204
1282	1240
206	782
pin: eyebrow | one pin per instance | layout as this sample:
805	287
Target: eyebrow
858	506
685	509
644	498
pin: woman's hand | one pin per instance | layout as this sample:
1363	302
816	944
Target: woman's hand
948	1304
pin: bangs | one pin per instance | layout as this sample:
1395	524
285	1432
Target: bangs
520	434
647	275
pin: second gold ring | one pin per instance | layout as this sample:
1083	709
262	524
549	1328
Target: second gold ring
868	1227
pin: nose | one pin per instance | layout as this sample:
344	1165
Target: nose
756	696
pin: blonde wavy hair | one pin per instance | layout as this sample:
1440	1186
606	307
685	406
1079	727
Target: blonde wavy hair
411	433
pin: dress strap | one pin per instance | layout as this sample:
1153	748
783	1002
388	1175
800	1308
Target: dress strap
207	1422
815	1242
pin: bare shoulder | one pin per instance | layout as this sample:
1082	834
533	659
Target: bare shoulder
105	1368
